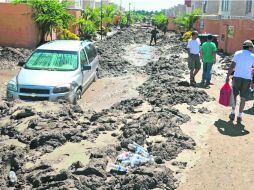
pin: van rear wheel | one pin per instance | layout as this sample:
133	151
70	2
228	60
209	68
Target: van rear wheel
95	77
77	97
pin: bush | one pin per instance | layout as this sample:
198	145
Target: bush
67	35
88	29
187	36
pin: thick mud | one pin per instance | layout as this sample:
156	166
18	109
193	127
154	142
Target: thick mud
9	57
40	130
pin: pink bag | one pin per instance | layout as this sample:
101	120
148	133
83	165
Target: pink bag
225	95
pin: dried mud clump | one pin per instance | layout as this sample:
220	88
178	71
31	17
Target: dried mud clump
163	87
9	57
112	50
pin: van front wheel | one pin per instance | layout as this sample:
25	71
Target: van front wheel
76	97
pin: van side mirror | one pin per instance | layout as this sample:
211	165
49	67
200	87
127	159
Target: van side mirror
86	67
21	63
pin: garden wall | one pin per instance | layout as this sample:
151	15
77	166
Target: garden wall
240	30
17	28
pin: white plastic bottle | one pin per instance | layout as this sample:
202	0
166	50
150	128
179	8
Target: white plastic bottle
12	177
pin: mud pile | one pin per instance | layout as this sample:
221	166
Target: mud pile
9	57
166	85
43	131
112	51
225	62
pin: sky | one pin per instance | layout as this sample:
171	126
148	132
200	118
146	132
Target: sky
150	5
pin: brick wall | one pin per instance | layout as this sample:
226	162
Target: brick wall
17	28
243	30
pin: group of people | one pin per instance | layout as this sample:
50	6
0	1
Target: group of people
242	68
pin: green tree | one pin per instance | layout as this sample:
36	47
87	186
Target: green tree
187	21
160	20
49	15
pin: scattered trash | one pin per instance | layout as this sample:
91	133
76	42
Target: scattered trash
140	157
138	149
12	177
118	168
124	156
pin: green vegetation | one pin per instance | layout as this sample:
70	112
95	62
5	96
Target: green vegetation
187	21
160	20
67	35
49	15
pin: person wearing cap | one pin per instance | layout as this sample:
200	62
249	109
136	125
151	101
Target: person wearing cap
194	64
208	56
243	62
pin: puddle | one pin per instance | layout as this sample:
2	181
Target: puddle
139	55
62	157
14	142
156	139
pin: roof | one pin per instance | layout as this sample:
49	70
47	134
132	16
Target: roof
64	45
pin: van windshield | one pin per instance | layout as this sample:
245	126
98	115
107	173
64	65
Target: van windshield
53	60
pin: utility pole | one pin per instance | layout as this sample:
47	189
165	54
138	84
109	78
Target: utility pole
120	13
101	19
129	14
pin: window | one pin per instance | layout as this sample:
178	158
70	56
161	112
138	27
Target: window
53	60
83	59
91	52
248	6
224	5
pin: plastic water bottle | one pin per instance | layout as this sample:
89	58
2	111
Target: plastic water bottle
118	168
138	160
124	156
12	177
138	149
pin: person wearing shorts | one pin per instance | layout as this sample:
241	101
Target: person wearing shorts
194	63
242	64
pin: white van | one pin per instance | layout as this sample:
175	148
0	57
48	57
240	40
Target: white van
61	69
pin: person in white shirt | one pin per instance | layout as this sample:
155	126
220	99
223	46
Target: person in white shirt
194	63
242	63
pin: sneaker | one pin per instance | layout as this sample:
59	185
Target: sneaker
251	90
232	117
239	119
208	83
202	82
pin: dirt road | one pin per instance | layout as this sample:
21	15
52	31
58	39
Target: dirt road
224	155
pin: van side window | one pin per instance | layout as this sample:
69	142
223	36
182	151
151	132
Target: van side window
83	59
91	52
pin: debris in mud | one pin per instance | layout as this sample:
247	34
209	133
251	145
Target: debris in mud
9	57
225	62
204	110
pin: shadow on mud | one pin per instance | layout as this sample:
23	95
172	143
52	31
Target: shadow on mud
230	129
250	111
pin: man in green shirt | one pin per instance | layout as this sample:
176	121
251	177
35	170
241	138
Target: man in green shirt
208	55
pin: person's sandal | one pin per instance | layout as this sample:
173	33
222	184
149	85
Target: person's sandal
232	117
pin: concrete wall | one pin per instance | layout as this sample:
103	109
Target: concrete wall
243	30
17	28
212	7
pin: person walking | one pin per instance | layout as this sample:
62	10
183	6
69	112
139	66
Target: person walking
242	63
194	64
208	56
154	33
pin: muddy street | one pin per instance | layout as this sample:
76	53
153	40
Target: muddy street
141	96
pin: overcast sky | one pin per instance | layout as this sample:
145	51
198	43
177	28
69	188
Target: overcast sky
149	4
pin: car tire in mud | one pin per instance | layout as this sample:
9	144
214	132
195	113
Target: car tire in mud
77	97
95	77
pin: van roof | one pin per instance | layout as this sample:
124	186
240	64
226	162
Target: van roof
64	45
